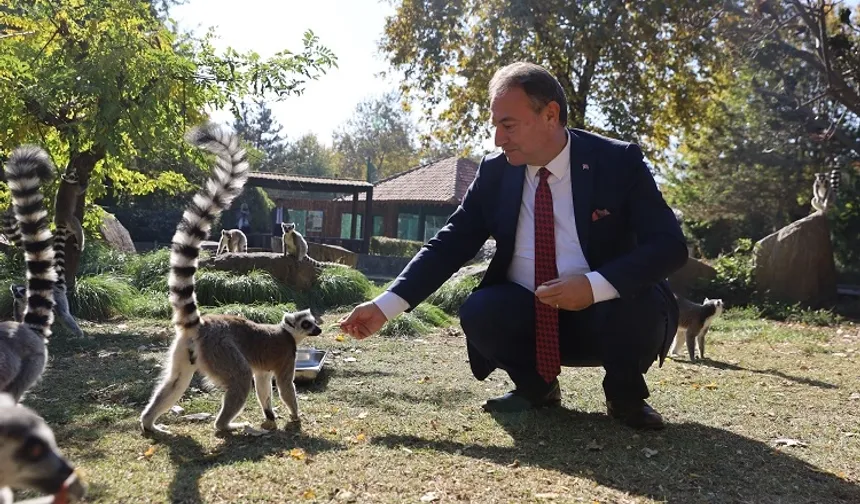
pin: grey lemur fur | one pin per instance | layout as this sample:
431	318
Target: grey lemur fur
232	240
694	320
23	345
30	459
229	350
295	244
824	190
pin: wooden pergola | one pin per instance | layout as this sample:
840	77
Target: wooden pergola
282	182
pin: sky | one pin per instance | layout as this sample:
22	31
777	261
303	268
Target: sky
350	28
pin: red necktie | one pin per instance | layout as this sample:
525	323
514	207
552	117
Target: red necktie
546	317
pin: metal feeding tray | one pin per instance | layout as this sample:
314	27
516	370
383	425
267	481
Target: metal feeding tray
309	363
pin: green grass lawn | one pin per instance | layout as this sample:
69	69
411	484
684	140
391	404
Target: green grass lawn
399	420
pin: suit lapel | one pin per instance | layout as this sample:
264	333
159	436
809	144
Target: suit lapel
511	199
582	166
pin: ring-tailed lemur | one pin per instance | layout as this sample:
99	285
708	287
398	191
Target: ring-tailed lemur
295	244
232	240
825	188
23	345
30	459
231	351
694	320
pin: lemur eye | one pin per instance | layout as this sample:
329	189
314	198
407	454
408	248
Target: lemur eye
306	325
33	449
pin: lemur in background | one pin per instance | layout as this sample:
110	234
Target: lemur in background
232	240
825	188
295	244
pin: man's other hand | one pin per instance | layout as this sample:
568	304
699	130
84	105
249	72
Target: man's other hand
364	320
572	293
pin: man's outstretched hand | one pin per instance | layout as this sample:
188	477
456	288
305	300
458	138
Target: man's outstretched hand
364	320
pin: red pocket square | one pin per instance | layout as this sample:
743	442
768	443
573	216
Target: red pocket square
598	214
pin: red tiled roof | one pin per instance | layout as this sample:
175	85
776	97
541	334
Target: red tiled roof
442	181
299	180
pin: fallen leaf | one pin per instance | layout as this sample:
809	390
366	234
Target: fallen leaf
298	454
309	494
854	397
350	359
340	337
649	452
407	450
790	442
594	445
362	415
711	386
430	497
149	452
360	438
177	409
546	495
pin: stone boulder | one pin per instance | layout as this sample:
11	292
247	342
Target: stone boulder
332	253
300	276
472	270
796	264
692	272
115	234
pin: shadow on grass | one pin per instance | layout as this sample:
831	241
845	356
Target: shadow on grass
693	463
770	372
192	461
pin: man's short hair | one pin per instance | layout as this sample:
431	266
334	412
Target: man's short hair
538	84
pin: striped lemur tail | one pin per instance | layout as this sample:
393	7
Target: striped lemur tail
26	170
9	227
228	179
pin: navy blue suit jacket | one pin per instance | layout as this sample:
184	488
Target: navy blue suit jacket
635	247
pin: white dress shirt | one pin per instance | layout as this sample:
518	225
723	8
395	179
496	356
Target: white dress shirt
568	252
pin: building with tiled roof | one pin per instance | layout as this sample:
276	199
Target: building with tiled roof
413	205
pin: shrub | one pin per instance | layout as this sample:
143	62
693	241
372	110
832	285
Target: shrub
405	325
215	288
432	315
339	286
264	314
98	258
149	304
380	245
453	293
149	270
101	297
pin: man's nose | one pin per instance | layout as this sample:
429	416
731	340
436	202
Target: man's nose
500	137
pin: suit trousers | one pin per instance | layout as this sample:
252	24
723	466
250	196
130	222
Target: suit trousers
626	335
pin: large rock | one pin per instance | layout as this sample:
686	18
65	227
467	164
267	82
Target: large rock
300	276
691	273
796	264
322	252
115	234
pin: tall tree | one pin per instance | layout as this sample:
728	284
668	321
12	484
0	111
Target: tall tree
380	132
307	156
817	37
257	126
104	83
640	70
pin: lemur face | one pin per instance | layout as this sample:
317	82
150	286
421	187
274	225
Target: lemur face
288	227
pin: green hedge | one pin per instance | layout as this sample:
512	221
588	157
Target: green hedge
380	245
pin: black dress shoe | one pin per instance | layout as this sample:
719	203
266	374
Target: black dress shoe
636	414
518	400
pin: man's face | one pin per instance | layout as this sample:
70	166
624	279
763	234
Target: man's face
521	132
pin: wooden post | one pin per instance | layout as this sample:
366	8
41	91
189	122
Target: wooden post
368	221
422	220
354	215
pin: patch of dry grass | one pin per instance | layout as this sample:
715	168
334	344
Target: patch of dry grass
403	422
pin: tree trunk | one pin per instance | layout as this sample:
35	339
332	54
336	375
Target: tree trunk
83	163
